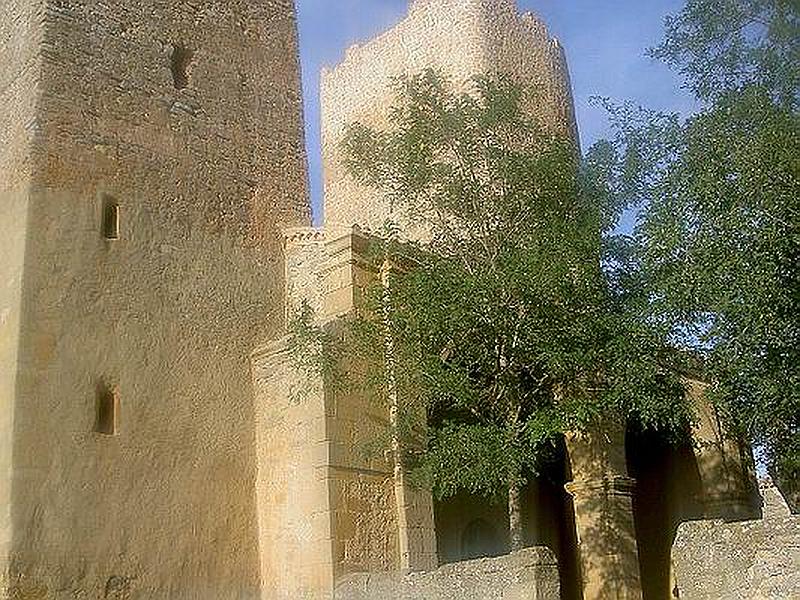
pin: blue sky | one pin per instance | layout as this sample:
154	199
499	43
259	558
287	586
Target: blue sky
605	42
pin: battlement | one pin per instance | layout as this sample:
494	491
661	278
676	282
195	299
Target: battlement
494	4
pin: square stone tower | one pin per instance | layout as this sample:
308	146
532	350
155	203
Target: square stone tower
149	151
458	38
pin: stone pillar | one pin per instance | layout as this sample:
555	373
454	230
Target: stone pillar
415	524
347	272
602	497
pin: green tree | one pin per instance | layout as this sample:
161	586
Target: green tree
724	45
718	239
500	326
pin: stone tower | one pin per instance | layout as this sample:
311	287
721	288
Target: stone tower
148	152
458	38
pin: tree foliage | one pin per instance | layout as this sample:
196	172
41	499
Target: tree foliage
503	328
720	45
718	240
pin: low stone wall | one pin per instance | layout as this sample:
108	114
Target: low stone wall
750	560
530	574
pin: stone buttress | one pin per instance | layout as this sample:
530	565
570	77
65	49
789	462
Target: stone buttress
327	507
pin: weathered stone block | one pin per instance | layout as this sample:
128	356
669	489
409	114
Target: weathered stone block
530	574
748	560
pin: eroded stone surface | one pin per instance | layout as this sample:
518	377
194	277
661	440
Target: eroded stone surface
203	153
530	574
749	560
458	38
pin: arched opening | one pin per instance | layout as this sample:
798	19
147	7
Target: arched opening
469	526
668	491
479	539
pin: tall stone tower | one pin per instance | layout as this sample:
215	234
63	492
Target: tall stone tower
149	151
458	38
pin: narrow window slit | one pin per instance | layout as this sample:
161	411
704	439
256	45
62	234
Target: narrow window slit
107	410
110	218
180	64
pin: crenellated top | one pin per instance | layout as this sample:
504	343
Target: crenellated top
458	38
493	4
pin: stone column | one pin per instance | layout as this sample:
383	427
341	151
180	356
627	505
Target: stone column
415	524
602	497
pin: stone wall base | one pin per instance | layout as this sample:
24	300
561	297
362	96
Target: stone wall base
747	560
531	574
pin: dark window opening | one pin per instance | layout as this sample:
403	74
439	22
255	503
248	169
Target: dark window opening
110	219
180	64
107	410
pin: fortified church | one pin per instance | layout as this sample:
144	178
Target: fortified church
155	233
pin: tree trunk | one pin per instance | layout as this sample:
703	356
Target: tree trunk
515	532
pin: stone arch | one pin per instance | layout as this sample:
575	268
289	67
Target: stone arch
479	539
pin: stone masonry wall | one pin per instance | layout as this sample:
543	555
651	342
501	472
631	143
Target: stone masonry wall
747	560
530	574
187	115
520	45
461	39
293	483
329	503
20	34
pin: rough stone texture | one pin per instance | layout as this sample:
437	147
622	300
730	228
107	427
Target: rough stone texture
292	487
326	507
20	35
749	560
530	574
375	517
168	313
460	38
630	493
305	269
